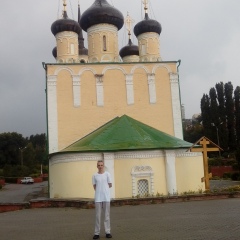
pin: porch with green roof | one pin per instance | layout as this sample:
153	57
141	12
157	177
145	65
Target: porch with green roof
124	134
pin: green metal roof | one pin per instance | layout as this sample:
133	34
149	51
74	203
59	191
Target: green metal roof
125	133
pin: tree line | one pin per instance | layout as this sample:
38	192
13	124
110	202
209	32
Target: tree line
221	113
20	156
220	118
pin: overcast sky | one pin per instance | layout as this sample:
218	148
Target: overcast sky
204	34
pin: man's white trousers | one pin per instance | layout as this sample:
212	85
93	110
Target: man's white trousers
105	207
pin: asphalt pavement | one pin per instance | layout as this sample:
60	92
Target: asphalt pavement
198	220
18	193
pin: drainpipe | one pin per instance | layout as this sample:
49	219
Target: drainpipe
47	142
179	63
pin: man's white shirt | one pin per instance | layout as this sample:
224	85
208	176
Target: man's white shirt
102	191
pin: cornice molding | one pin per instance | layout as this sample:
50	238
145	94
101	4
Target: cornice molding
66	34
77	157
101	28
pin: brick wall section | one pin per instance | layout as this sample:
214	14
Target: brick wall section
8	207
220	170
87	204
2	182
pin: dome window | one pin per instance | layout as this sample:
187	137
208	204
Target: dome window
143	49
72	48
104	43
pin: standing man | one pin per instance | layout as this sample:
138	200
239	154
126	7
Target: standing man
102	183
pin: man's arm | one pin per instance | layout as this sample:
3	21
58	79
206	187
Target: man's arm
94	186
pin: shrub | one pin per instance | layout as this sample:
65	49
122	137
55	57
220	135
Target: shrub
235	166
0	186
227	175
45	178
15	171
235	176
214	162
35	175
11	179
215	178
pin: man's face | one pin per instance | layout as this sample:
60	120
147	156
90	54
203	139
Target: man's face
100	166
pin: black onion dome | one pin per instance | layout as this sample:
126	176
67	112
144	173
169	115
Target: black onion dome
147	25
101	12
129	50
54	52
65	24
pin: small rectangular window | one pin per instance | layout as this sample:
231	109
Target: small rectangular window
104	43
143	49
72	48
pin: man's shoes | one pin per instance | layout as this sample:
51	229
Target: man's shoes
108	235
96	237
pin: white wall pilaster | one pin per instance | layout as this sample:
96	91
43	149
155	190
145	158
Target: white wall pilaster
176	105
109	164
52	113
76	90
99	89
170	158
129	87
152	88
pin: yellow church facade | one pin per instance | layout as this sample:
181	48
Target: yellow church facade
102	91
86	90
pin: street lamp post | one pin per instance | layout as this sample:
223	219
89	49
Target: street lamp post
213	124
21	150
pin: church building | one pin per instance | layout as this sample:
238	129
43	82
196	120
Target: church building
121	106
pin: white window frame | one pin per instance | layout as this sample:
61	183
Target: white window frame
142	172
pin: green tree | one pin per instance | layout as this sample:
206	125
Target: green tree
21	156
206	116
193	132
237	113
29	156
214	107
10	145
222	123
230	116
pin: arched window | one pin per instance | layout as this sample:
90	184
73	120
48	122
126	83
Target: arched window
104	43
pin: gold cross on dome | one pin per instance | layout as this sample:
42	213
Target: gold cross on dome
128	22
145	2
64	5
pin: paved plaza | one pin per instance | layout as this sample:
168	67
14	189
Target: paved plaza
215	219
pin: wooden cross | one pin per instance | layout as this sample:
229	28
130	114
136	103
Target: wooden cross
205	149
